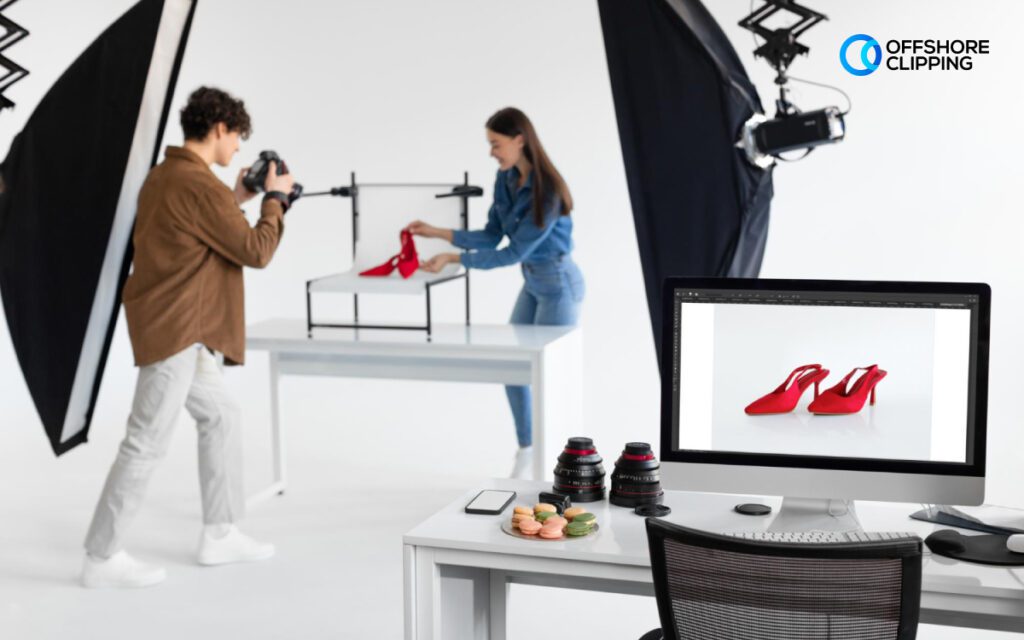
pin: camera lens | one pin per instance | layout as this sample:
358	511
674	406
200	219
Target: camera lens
579	473
636	479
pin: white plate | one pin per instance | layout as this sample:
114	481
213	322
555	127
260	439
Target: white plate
506	526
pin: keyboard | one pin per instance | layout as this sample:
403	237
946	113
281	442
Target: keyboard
821	537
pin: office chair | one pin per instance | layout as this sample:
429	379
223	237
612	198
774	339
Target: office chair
710	586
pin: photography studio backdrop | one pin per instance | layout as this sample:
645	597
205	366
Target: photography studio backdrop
923	188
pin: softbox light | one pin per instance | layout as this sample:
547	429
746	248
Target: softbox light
681	99
70	180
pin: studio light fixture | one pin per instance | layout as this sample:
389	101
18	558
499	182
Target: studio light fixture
764	139
12	33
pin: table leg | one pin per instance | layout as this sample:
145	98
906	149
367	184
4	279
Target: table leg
539	394
498	604
422	595
557	385
280	476
277	451
451	602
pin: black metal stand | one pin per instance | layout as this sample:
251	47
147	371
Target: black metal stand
464	192
780	45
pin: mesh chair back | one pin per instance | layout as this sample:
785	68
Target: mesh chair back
385	209
718	587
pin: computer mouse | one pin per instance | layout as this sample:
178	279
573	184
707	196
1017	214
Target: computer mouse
1015	543
946	541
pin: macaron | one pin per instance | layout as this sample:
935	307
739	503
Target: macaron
520	518
572	512
556	521
551	533
578	529
543	516
530	527
586	517
543	506
524	510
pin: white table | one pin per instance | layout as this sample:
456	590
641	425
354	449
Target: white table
549	359
452	549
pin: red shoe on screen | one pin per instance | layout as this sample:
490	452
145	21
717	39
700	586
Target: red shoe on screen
785	398
839	400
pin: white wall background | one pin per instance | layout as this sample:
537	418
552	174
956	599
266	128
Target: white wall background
923	188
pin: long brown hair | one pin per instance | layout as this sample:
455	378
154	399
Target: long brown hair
546	179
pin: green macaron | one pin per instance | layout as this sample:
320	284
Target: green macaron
578	529
544	515
587	518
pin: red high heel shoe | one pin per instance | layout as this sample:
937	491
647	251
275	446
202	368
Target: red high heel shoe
407	260
785	398
839	400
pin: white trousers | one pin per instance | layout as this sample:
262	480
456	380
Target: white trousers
193	379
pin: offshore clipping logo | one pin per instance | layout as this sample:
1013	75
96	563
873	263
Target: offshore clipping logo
869	46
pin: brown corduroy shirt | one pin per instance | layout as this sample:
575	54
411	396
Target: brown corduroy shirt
191	242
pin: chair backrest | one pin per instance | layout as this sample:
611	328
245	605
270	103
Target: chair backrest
714	586
385	209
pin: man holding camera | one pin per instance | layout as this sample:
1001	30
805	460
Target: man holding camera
184	301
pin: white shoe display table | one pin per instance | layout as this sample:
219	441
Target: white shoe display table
549	359
458	567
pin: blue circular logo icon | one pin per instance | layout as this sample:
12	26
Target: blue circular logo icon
869	46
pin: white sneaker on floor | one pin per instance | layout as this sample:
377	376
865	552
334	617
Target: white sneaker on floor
233	546
120	571
523	467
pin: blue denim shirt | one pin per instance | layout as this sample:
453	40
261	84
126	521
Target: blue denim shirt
512	215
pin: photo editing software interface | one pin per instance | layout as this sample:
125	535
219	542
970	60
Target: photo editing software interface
858	375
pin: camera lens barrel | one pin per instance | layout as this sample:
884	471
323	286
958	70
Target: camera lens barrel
636	479
579	473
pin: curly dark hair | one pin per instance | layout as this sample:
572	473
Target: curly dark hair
206	107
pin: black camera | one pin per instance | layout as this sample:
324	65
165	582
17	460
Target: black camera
255	178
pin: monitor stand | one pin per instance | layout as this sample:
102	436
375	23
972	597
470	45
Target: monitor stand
809	514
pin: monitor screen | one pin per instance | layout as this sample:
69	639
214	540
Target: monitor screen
747	356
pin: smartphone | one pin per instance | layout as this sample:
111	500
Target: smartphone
490	502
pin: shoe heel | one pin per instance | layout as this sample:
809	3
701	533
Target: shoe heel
872	396
817	391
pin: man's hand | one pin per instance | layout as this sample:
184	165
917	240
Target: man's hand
283	183
420	228
242	195
438	262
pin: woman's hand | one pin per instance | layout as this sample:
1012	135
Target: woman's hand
420	228
438	262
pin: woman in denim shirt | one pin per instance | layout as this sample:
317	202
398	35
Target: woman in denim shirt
531	208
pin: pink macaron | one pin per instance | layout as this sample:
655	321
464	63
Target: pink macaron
530	527
551	533
558	521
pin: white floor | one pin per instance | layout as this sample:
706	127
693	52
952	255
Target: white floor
355	488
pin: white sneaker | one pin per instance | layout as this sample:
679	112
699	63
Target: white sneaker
523	467
120	571
234	546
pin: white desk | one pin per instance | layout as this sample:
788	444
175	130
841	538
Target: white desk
453	547
549	359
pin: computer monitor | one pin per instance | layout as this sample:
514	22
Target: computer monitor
732	353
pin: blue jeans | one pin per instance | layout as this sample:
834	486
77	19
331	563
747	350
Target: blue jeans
551	295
